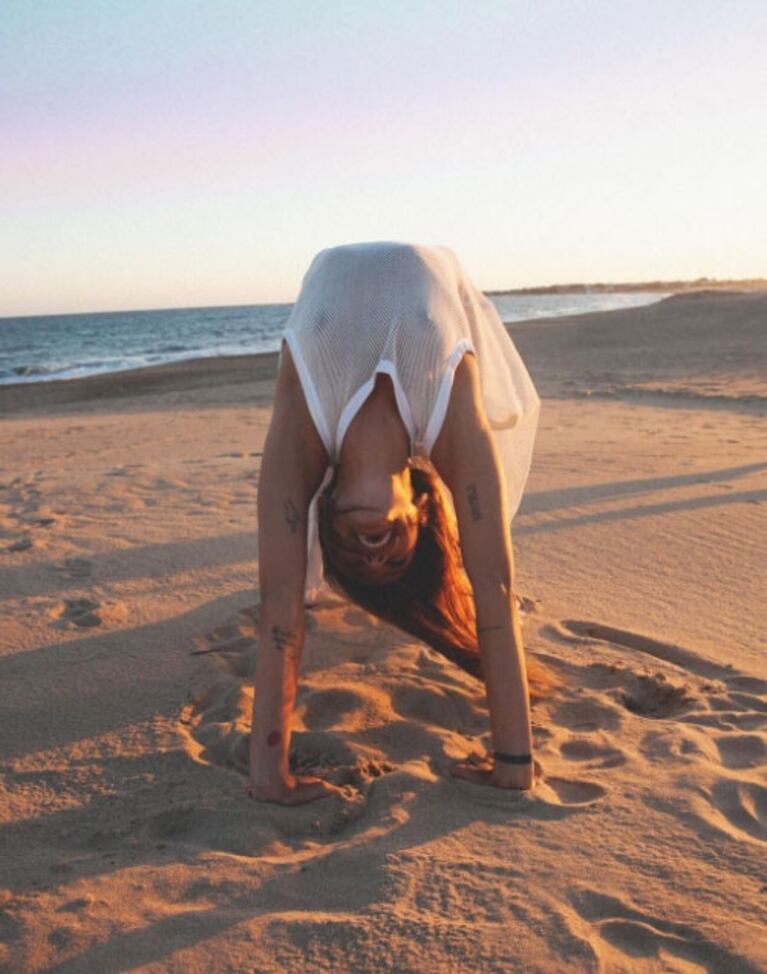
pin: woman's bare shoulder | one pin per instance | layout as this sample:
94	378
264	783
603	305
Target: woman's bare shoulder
288	382
292	425
464	418
289	399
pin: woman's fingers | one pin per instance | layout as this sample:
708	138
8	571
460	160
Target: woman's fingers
298	790
521	778
477	768
472	771
481	771
308	789
475	758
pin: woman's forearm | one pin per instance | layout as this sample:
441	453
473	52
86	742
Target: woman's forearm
279	656
503	666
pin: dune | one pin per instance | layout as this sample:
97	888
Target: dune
129	594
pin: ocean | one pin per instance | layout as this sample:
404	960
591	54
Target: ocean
48	347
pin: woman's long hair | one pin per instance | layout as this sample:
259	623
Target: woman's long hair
432	600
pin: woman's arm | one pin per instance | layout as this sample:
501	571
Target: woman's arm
465	457
293	464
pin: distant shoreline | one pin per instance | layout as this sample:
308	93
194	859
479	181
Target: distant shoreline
649	287
712	322
702	284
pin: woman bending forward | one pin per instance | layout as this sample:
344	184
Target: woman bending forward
399	446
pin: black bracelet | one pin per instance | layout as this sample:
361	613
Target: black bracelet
513	758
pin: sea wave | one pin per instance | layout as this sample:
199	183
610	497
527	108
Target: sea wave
32	370
61	347
79	370
68	370
513	308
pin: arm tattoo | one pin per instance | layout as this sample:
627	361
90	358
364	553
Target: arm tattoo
292	517
472	496
285	641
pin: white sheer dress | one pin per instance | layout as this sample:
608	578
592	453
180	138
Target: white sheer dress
412	313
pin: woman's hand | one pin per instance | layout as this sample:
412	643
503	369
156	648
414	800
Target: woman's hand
294	790
483	771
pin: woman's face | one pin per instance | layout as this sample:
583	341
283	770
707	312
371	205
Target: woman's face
375	549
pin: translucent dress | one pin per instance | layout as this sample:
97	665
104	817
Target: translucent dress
412	313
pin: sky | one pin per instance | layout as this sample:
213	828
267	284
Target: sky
180	153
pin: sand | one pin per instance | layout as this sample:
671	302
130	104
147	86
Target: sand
128	592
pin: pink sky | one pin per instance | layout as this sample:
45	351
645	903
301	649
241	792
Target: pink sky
161	154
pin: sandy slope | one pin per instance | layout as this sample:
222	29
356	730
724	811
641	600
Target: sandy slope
127	586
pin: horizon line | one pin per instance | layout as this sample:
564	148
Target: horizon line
699	283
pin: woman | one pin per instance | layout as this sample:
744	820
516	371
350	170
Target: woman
396	380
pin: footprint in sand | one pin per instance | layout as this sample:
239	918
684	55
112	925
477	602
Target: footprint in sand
81	612
345	708
172	823
747	701
682	744
234	648
741	751
730	808
628	939
23	544
75	568
449	708
579	631
591	754
738	704
583	714
749	684
89	613
696	691
572	793
552	798
333	757
727	720
654	696
743	804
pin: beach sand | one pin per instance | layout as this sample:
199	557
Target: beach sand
128	592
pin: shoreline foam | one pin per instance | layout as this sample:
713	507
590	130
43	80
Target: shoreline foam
128	341
660	350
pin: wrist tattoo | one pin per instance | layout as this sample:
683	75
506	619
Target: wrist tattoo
293	518
472	495
285	641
